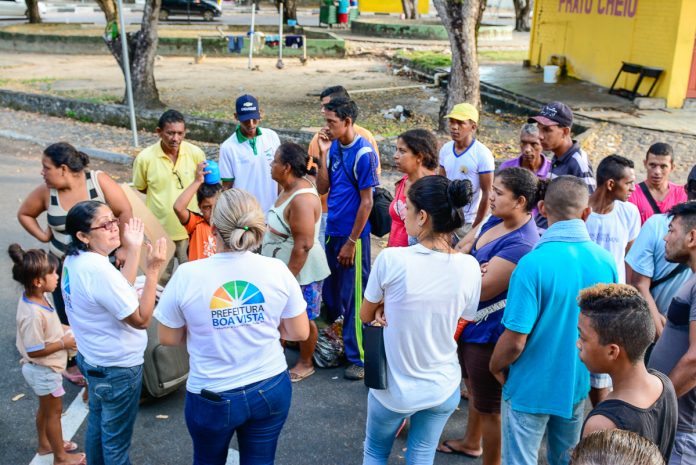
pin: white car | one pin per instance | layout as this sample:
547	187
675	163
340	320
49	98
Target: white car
17	8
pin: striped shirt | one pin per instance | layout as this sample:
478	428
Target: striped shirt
56	214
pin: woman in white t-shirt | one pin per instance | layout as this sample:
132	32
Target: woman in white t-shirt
231	310
425	289
108	322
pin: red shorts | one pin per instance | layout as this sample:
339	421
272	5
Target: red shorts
343	18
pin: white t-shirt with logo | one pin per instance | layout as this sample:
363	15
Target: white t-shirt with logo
97	300
231	305
615	230
422	313
251	171
476	160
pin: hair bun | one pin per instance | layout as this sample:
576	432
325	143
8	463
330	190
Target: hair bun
16	253
459	193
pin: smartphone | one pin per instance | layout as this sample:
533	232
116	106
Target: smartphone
210	395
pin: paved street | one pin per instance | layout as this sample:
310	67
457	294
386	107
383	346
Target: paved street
326	423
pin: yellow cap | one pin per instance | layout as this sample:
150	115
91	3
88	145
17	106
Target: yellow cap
463	112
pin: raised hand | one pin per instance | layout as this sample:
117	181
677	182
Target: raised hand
201	172
156	255
133	233
324	141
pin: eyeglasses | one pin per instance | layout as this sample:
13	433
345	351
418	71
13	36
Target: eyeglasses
110	225
180	184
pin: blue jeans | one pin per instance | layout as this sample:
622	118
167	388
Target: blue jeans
684	450
114	396
423	434
523	432
256	412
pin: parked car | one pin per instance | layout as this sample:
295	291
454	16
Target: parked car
209	9
18	8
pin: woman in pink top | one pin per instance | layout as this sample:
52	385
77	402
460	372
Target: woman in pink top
416	156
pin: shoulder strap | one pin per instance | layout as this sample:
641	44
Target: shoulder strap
675	271
649	197
352	179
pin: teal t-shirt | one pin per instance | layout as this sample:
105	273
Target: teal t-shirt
549	377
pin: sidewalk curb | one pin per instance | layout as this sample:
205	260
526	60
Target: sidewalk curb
98	154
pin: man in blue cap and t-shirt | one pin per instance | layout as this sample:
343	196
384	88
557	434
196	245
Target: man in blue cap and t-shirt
246	156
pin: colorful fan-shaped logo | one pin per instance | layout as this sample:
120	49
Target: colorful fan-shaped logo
66	281
237	303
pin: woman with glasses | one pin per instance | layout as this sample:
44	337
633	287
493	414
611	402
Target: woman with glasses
293	237
67	181
109	321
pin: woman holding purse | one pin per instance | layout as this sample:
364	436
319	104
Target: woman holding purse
420	316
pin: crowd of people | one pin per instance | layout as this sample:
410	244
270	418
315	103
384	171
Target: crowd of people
540	283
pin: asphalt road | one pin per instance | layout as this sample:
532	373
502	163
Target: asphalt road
327	419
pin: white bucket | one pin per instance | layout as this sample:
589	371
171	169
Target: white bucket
550	74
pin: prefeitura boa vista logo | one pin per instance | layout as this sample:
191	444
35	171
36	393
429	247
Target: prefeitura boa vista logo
237	303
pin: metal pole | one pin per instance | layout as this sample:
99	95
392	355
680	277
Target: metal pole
280	63
251	36
126	72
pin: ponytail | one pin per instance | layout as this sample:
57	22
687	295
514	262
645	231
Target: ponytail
30	265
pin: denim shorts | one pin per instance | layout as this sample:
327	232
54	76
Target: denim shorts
600	380
43	380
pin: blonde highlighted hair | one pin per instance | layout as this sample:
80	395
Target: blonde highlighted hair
239	220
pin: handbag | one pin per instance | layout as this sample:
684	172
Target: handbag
380	220
375	357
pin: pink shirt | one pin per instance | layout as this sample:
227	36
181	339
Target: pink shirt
675	195
398	237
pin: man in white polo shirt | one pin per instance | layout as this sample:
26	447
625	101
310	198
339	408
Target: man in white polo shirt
246	156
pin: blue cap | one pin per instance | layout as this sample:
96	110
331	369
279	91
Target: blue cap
247	108
214	176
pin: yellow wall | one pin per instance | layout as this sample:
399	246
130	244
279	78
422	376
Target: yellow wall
595	36
389	6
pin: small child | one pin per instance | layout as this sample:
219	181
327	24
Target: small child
616	329
201	237
43	343
343	7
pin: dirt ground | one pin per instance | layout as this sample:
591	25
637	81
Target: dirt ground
289	97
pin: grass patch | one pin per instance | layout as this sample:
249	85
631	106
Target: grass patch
434	60
427	60
90	97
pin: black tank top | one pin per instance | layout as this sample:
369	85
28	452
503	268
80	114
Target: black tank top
657	423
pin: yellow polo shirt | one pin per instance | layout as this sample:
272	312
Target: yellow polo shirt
154	171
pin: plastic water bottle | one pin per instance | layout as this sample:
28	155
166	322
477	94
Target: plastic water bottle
213	177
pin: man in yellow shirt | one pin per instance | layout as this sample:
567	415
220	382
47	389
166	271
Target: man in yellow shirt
325	97
161	172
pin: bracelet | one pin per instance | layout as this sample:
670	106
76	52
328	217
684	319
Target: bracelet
352	240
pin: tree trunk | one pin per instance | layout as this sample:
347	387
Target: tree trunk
409	8
33	11
109	9
142	48
522	9
459	18
289	9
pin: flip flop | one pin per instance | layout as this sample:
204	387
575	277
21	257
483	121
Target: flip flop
68	446
451	450
296	377
75	378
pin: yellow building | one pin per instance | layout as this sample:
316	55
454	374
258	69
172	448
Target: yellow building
389	6
595	36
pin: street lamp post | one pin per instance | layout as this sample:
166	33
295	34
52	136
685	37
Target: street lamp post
126	71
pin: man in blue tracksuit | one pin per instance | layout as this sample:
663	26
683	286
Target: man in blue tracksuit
349	173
